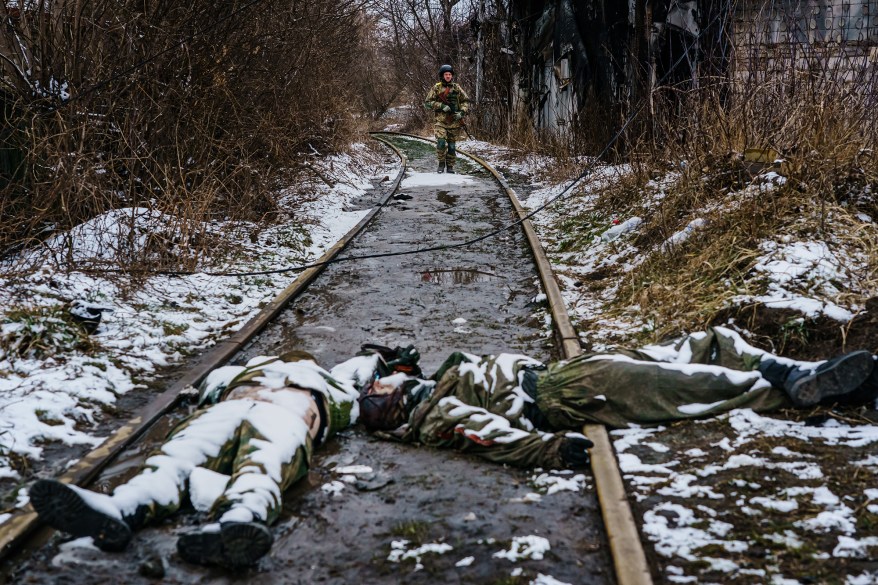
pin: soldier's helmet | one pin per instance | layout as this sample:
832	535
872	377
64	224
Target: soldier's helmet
445	69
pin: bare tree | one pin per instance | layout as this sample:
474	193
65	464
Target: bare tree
198	109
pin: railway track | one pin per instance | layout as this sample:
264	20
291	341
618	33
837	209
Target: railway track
436	300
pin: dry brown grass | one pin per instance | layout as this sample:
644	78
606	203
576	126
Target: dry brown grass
208	129
824	132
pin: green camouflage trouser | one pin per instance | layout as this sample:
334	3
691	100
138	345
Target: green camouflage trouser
446	143
260	448
703	375
478	407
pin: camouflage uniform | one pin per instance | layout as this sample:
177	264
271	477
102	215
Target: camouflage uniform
261	445
702	375
480	405
446	128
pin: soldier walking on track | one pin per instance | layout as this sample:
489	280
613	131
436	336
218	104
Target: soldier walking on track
450	103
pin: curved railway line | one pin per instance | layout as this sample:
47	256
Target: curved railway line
284	322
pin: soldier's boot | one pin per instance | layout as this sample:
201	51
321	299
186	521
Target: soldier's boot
80	513
441	168
449	169
233	545
832	379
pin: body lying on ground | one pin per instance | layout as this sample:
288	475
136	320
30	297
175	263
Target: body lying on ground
515	410
233	458
256	431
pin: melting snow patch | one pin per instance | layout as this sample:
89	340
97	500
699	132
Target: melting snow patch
772	504
415	179
814	270
525	547
528	498
788	539
848	547
630	463
547	580
671	527
554	483
681	486
631	436
399	551
867	578
67	552
333	488
353	470
841	519
465	562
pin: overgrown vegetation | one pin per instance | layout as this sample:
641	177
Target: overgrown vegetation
779	147
41	332
721	143
198	110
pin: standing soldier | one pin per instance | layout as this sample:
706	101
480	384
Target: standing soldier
450	103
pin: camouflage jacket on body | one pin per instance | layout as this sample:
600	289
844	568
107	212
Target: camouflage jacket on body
451	95
338	397
479	406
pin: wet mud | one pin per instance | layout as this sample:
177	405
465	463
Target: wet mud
342	529
420	495
475	299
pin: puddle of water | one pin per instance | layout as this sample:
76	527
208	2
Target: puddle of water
446	198
457	276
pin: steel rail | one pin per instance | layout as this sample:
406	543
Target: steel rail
629	558
624	540
17	529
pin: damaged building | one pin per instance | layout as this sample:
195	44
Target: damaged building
578	56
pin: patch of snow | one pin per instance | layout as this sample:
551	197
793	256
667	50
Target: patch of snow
353	470
848	547
333	488
400	552
547	580
62	398
416	179
553	483
525	547
205	488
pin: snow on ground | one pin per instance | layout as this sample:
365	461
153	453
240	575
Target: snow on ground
716	510
802	275
808	276
747	497
57	392
416	179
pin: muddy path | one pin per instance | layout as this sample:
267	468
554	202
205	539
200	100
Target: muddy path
476	299
404	514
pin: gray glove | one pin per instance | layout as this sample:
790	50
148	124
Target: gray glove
458	115
446	108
